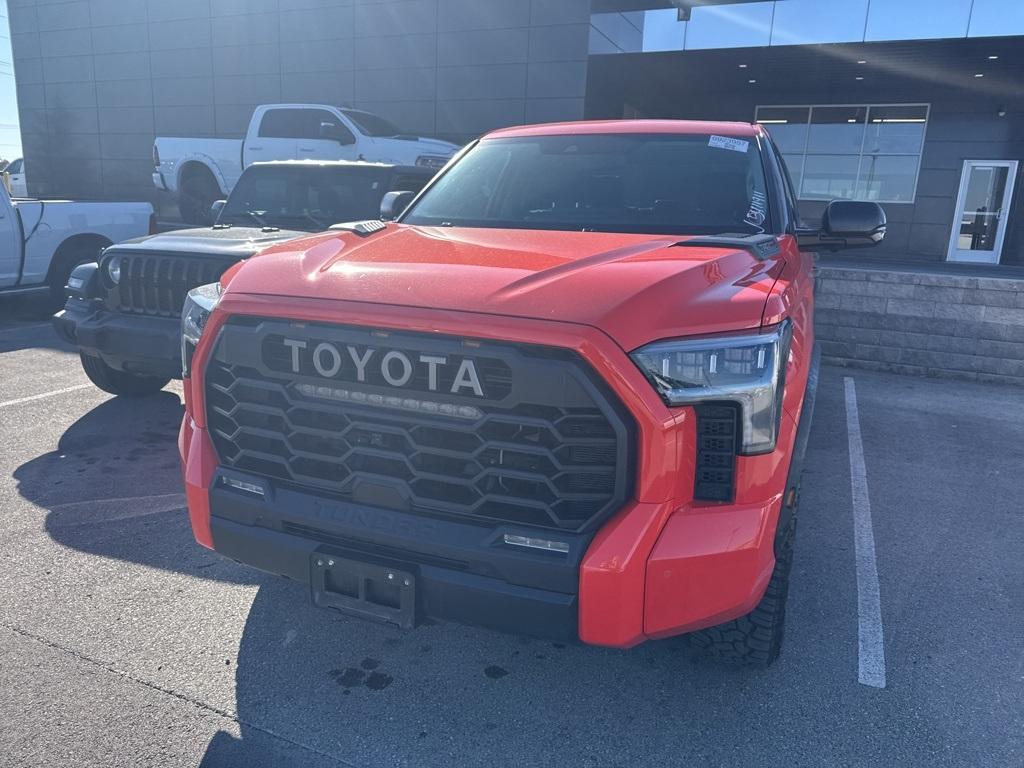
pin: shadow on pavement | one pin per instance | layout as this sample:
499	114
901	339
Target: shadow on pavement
113	488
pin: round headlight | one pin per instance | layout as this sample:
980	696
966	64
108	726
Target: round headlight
114	270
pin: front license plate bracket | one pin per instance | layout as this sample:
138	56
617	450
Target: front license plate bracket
365	590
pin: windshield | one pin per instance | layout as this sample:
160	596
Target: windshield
657	184
309	199
370	124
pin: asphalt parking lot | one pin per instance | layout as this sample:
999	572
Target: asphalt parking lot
124	643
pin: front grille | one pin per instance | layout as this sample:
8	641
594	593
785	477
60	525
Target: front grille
156	284
548	445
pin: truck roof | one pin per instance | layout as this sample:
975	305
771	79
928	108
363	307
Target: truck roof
629	126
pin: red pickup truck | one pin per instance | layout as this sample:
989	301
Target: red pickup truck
567	393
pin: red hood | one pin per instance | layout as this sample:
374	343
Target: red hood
636	288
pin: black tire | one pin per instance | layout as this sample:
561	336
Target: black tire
118	382
197	195
64	265
755	639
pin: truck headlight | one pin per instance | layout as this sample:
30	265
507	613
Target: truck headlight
748	370
199	305
114	270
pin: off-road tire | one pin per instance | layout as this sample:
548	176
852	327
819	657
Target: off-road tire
197	195
119	382
755	639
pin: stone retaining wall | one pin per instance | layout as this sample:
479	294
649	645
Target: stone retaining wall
927	324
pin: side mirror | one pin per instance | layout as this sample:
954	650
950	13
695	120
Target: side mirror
216	208
394	203
846	224
335	132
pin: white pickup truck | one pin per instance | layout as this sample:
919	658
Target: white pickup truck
200	171
16	178
41	241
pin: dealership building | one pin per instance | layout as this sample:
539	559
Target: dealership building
916	104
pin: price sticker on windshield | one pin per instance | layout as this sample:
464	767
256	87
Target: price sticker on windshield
726	142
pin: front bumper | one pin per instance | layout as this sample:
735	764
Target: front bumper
663	565
463	572
148	346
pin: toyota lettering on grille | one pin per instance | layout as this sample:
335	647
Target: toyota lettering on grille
395	368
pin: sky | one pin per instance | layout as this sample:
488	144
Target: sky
10	136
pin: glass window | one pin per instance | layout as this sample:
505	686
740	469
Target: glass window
888	177
917	19
306	199
15	167
787	126
827	177
804	22
746	25
837	130
895	130
297	123
370	124
795	166
995	18
617	32
663	31
657	184
864	152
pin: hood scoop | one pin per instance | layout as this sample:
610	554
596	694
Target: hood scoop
759	246
361	228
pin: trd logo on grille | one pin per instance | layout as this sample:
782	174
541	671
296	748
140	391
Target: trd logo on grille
395	368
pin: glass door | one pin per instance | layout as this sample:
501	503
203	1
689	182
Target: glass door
986	189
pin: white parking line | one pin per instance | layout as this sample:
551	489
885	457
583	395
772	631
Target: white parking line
871	648
44	395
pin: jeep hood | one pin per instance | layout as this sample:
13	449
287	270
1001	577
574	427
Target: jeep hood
231	242
635	288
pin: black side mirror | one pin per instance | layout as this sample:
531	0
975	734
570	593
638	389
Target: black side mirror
847	224
216	208
335	132
394	203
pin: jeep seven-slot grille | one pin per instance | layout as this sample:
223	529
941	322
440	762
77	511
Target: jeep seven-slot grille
156	284
547	445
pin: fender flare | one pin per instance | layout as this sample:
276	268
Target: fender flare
791	496
204	160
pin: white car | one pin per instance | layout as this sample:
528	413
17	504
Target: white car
16	176
200	171
41	241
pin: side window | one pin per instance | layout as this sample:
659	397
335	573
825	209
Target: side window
321	124
409	182
280	124
15	167
787	183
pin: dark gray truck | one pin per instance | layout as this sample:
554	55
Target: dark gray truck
124	311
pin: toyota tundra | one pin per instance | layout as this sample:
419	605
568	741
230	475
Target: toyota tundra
567	393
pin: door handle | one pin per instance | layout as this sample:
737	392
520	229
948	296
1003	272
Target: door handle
255	149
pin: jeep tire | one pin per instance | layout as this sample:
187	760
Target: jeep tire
120	382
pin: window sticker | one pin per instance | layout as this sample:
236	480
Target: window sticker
727	142
758	210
